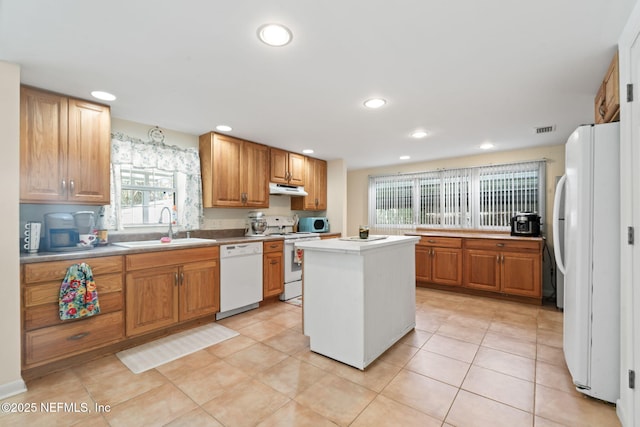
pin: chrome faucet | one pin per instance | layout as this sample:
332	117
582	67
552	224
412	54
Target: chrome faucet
160	221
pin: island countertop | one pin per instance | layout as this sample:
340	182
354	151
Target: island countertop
355	244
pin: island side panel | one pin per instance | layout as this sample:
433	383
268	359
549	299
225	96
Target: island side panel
390	297
333	305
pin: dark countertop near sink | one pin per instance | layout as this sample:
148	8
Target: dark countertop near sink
221	238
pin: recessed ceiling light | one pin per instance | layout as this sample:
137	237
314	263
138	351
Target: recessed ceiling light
223	128
405	157
374	103
419	134
487	146
308	151
274	35
104	96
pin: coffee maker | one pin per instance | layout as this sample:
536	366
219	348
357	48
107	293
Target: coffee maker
60	232
257	224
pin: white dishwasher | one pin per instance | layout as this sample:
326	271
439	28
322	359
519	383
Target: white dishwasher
240	278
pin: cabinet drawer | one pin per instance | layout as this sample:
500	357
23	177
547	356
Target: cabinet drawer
169	258
277	246
48	271
73	338
443	242
48	292
49	315
503	245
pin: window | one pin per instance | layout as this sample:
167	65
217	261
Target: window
144	193
147	176
483	197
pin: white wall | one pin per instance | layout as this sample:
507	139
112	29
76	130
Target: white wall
337	195
10	379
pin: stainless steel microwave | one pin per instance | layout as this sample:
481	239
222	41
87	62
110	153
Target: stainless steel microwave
314	224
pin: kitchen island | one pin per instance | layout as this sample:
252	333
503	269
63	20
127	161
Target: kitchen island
358	295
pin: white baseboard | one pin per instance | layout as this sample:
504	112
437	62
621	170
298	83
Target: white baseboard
12	388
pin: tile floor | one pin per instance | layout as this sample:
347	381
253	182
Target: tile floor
470	361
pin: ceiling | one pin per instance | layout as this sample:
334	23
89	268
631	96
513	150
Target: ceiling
467	72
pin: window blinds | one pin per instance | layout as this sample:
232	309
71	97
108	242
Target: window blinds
506	190
481	197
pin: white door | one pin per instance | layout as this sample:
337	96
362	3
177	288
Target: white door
632	190
628	408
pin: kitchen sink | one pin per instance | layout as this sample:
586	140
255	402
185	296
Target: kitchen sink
140	244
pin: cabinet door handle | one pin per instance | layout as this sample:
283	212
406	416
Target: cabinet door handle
500	245
502	258
72	187
431	241
498	259
64	186
175	278
274	262
78	336
182	278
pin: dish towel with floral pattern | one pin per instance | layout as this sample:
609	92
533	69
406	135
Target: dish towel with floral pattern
78	293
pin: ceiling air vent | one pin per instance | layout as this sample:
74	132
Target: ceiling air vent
546	129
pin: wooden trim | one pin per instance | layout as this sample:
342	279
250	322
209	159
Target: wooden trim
173	258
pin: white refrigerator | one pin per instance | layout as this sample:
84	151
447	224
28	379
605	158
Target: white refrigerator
590	258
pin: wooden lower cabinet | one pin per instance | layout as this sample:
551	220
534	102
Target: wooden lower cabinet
52	343
505	266
272	269
46	338
439	260
164	290
512	267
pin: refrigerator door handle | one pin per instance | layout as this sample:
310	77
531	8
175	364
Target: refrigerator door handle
557	250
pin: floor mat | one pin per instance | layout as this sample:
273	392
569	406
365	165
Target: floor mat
155	353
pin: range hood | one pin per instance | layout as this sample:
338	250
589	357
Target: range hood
290	190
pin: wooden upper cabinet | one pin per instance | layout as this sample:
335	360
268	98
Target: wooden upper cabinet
286	167
607	101
65	148
43	145
315	179
89	152
234	172
255	159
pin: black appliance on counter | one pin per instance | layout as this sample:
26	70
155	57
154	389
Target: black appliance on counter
525	224
60	232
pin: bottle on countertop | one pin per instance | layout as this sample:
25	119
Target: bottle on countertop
101	227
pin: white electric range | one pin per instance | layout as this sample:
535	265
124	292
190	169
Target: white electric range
283	226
